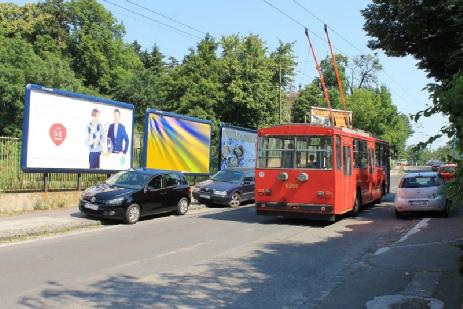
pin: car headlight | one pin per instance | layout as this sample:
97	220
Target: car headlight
115	202
220	193
197	189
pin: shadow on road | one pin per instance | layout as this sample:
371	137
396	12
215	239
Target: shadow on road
287	273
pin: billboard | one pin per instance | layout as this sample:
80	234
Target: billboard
70	132
176	142
320	115
237	147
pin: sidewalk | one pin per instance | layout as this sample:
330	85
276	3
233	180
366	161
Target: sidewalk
420	270
46	222
42	222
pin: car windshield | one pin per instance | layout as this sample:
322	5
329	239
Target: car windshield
419	182
228	176
128	179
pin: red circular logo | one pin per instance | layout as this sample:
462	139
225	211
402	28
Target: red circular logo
57	133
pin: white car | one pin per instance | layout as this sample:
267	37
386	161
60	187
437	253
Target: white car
421	192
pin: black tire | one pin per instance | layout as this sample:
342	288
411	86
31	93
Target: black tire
132	214
357	204
182	206
235	200
398	214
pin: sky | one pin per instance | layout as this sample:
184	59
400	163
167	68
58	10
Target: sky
221	17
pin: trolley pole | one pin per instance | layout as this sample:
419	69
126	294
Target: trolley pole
279	95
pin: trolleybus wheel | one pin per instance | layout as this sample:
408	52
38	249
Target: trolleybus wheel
357	204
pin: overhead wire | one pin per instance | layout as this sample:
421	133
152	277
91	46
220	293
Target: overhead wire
178	30
413	101
166	17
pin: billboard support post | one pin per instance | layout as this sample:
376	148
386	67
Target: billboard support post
79	187
45	182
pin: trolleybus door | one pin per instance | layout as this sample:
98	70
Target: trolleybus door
347	173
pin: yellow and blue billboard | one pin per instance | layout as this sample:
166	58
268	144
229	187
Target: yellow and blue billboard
176	142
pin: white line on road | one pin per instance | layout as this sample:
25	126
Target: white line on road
415	229
418	227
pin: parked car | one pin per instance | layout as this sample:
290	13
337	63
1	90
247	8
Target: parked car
132	194
436	164
230	187
447	171
421	192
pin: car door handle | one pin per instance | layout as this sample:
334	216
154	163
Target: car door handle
163	193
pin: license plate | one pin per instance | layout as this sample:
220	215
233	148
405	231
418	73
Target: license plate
205	196
91	206
418	203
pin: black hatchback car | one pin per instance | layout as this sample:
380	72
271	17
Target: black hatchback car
131	194
230	187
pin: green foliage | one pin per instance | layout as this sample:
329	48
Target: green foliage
309	96
430	31
374	112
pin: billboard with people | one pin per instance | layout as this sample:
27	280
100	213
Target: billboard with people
176	142
69	132
237	147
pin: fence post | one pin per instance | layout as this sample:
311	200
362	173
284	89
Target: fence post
45	182
78	181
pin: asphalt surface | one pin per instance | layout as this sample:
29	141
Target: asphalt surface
213	258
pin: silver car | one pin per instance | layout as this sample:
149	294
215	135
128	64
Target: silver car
421	192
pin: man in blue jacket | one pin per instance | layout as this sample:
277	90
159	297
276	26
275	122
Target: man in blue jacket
118	135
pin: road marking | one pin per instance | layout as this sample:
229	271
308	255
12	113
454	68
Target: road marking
415	229
418	227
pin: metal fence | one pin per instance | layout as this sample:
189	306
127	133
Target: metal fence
13	179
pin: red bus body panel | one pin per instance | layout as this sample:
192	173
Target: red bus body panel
326	192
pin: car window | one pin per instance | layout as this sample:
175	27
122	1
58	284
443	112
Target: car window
128	179
228	176
420	182
249	179
172	180
156	183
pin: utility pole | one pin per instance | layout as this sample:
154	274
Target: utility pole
279	95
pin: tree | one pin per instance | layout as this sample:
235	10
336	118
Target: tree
311	95
363	71
329	75
374	112
430	31
20	66
248	77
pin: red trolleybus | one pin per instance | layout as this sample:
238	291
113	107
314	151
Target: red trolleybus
312	171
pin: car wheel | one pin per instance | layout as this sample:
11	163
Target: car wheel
182	206
235	200
132	214
398	214
357	204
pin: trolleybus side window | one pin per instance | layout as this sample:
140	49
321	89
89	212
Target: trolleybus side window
338	152
347	161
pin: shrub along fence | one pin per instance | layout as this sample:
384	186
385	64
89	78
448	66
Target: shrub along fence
13	179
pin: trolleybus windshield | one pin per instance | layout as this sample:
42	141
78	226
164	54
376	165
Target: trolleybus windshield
313	151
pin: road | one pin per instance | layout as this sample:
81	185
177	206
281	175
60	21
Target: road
213	258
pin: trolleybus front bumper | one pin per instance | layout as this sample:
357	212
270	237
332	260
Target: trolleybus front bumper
296	210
